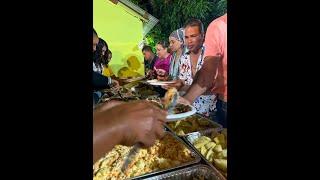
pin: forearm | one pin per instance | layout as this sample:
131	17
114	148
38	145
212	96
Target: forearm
194	91
106	134
184	88
203	79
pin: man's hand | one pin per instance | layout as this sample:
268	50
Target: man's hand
127	124
107	105
139	121
178	84
160	72
183	100
114	83
218	85
163	78
143	123
150	72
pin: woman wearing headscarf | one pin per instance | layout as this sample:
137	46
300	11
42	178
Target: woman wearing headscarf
176	40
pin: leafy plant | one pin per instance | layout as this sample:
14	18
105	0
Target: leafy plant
172	14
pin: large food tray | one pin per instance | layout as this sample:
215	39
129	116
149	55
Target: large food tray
212	125
121	94
197	159
190	138
193	154
144	91
196	172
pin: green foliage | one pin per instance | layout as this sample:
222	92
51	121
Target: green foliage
172	14
151	42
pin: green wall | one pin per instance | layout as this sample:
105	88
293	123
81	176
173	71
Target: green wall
123	32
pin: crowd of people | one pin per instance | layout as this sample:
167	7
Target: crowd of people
196	64
194	60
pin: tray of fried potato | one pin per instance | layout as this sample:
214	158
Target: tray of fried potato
212	146
191	124
165	155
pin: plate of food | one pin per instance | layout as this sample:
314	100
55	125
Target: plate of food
181	111
176	110
156	82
